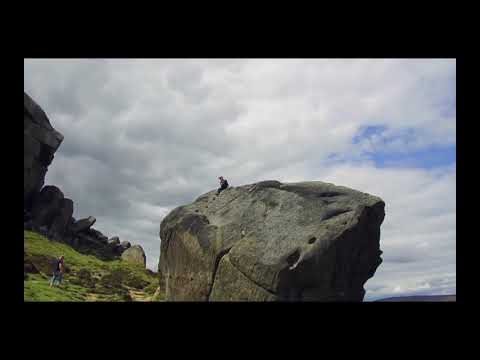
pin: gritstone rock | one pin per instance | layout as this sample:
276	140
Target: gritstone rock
135	255
60	223
83	224
40	141
46	205
268	241
114	242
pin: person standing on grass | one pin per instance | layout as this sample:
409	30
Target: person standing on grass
58	271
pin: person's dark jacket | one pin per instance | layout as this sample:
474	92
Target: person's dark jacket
223	184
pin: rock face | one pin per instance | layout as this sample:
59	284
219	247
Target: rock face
45	210
40	141
83	224
268	241
135	255
46	205
59	228
114	241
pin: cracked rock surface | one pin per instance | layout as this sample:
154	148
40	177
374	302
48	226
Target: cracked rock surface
272	241
40	141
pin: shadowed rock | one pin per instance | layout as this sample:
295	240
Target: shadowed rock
114	242
309	241
62	220
83	224
46	206
40	141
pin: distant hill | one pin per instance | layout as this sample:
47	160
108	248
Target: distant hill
435	298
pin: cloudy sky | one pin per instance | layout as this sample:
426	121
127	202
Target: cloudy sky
143	136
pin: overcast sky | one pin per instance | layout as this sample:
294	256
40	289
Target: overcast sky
143	136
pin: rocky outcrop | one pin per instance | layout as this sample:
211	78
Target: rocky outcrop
46	205
114	241
60	225
45	209
83	224
135	255
309	241
40	141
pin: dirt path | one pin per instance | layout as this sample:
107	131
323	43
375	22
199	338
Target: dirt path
139	295
92	297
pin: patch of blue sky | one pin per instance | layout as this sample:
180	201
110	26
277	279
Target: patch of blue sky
367	132
426	158
373	144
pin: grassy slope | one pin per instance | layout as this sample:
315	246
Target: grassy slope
87	277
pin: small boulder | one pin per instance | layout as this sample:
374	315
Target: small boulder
135	255
83	224
114	241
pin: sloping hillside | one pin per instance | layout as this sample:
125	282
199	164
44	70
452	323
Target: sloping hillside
87	278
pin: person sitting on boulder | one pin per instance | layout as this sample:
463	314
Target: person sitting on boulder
58	271
223	185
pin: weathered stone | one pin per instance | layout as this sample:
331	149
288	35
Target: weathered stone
119	249
62	220
135	255
102	238
83	224
269	241
46	206
86	238
114	242
40	142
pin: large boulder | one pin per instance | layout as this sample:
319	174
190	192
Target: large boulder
268	241
135	255
40	141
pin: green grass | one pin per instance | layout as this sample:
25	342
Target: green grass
87	277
